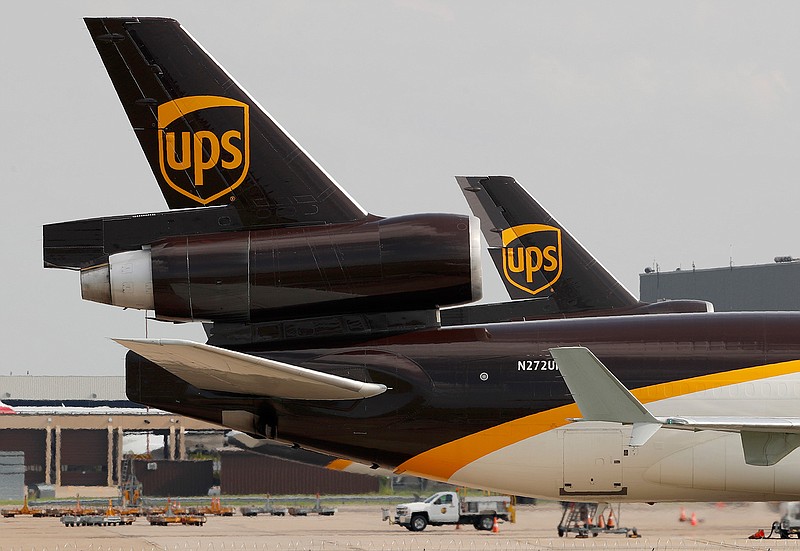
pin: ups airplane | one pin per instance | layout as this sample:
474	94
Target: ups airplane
325	323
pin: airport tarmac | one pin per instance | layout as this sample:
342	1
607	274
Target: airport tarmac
359	527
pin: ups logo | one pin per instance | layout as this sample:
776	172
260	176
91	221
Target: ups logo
204	164
532	256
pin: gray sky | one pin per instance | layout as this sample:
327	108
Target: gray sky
655	131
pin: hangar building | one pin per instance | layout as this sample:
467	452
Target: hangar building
730	289
72	429
75	433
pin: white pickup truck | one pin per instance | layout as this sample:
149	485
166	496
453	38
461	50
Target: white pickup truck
448	508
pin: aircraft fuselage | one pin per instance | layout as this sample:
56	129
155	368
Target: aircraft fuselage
486	406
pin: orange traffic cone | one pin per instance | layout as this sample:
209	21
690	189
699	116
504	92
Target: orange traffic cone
682	517
693	522
612	522
600	522
495	528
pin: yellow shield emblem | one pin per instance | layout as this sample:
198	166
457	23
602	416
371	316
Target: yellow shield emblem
532	256
204	145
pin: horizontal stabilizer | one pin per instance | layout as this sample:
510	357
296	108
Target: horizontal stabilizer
211	368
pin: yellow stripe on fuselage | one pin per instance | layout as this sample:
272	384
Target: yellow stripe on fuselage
443	461
339	464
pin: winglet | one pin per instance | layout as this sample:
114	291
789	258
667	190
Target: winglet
601	397
599	394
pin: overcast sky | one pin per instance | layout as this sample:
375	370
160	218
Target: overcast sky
657	132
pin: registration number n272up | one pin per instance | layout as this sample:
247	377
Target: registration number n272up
537	365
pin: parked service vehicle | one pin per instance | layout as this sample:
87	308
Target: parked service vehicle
790	520
450	508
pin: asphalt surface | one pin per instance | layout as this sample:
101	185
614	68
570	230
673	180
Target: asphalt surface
359	527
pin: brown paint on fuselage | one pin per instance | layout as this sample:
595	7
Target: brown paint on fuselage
437	393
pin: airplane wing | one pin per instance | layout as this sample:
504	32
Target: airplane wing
212	368
602	397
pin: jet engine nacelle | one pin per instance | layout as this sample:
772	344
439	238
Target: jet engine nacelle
380	265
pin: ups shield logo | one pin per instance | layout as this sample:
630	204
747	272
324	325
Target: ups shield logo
204	164
532	256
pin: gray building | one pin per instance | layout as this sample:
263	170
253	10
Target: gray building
774	286
12	475
75	391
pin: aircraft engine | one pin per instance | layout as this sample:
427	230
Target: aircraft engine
380	265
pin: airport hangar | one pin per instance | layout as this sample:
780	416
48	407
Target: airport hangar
731	288
77	437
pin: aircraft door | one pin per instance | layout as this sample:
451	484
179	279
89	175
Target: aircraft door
593	462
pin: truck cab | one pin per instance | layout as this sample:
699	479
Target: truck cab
444	508
449	508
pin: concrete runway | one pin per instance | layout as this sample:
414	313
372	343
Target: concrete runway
360	528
